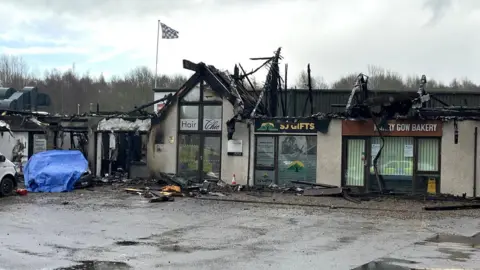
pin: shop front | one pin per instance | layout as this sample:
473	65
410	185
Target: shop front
285	150
409	161
199	134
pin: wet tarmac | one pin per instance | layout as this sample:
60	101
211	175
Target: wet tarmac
111	230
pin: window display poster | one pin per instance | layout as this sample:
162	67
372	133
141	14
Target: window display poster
265	151
296	159
408	150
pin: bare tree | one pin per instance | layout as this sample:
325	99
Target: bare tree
380	78
317	81
13	71
345	83
119	93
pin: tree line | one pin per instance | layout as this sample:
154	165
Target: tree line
384	79
68	89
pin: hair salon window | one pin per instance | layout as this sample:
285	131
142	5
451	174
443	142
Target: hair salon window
200	110
200	126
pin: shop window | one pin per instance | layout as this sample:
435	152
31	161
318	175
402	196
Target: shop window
193	95
212	118
428	155
139	147
395	163
265	151
297	159
188	117
209	94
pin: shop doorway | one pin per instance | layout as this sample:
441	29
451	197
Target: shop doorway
199	157
356	162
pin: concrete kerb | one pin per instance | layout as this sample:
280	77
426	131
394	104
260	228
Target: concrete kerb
311	205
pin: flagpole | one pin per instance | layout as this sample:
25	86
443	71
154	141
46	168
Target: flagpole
156	57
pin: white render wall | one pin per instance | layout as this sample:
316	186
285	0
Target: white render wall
163	157
237	165
457	160
329	154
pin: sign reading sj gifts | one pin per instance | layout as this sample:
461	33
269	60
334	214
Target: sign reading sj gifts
290	126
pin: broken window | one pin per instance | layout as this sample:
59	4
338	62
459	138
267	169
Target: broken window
297	159
209	94
139	148
193	95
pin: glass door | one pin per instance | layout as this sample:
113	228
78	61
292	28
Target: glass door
265	156
189	156
356	163
211	156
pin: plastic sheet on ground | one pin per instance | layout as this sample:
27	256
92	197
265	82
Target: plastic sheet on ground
54	170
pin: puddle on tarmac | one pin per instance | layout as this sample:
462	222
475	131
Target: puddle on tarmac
381	266
127	243
473	241
98	265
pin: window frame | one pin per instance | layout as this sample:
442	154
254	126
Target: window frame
416	173
416	152
200	105
276	145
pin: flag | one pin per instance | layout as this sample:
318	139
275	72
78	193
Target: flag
168	32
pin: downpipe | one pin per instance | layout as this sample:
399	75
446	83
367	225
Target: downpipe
475	154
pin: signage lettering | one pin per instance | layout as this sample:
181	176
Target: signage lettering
300	126
409	127
394	128
211	124
188	124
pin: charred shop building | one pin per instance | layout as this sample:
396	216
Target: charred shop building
215	126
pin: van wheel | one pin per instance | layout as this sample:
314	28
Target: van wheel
6	186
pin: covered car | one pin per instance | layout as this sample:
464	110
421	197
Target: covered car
54	170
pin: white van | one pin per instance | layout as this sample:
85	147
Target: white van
8	176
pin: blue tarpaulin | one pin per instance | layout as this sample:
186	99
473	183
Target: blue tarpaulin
54	170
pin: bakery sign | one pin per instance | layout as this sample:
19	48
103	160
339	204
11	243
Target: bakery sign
412	128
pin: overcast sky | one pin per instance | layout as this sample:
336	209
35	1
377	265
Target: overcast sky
438	38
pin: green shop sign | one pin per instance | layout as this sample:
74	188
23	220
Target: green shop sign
287	126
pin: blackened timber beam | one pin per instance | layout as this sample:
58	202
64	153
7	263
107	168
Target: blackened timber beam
189	65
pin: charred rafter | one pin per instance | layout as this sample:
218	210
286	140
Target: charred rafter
271	87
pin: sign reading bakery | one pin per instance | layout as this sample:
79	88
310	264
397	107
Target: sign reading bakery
397	128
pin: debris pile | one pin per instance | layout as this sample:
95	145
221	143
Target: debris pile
165	194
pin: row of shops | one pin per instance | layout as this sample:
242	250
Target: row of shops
418	156
189	136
